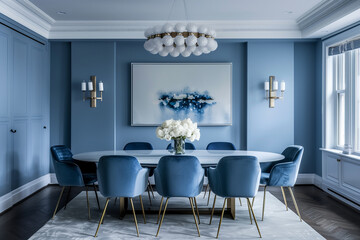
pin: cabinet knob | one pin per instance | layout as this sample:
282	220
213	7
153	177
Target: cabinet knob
12	130
338	160
44	127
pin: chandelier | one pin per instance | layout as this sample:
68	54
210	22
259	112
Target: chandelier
184	39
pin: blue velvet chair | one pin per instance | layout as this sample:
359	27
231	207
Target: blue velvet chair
188	146
217	146
142	146
69	174
283	174
179	176
121	176
235	177
138	146
220	146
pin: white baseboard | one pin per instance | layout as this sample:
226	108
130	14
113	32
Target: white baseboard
11	198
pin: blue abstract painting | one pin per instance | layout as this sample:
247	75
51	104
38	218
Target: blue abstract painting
201	92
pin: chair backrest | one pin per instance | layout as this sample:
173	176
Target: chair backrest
188	146
117	176
179	176
220	146
138	146
61	153
67	172
293	154
237	176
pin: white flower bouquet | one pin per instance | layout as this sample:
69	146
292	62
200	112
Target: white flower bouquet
178	130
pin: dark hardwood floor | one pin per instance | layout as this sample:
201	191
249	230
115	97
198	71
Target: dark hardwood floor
328	216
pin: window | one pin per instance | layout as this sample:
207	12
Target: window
343	75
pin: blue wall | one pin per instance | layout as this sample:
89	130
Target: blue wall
305	97
92	128
133	51
253	62
270	129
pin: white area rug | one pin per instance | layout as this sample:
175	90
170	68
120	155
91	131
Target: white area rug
73	223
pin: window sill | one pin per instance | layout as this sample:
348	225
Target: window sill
340	153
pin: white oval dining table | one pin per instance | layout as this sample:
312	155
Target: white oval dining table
150	158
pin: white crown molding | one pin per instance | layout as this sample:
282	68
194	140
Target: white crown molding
311	24
135	29
324	14
28	15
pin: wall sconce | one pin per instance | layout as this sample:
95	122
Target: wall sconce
271	87
91	85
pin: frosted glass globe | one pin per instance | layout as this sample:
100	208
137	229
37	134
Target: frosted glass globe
158	29
163	53
175	53
191	27
167	40
203	29
191	40
186	53
191	48
180	27
197	52
148	45
212	44
180	48
169	49
168	28
179	40
202	41
154	51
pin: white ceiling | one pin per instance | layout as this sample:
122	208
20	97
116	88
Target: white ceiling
127	19
152	10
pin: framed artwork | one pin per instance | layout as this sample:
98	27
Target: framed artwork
200	91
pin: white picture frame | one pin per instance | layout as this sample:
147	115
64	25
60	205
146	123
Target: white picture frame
200	91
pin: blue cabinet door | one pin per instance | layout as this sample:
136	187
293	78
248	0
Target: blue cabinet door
5	118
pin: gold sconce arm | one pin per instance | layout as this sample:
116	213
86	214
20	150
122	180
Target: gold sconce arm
93	98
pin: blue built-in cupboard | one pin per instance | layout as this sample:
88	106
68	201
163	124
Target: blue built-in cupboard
24	109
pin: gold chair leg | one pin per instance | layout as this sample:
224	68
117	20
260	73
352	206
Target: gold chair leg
102	216
142	208
252	203
206	190
252	211
209	197
96	195
263	210
296	206
193	211
151	189
148	191
240	201
87	201
212	212
283	193
249	211
197	210
161	202
58	202
133	209
222	215
162	218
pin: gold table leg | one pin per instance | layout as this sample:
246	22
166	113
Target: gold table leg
231	206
